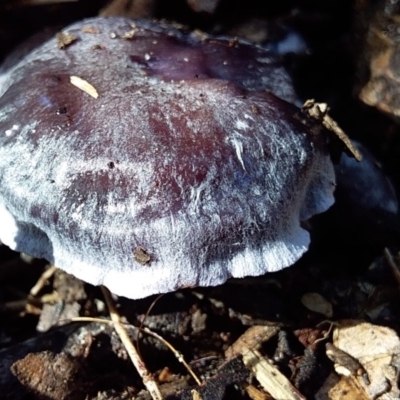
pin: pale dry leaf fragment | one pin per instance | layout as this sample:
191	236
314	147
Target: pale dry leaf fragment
270	378
64	303
83	85
56	314
317	303
340	388
375	348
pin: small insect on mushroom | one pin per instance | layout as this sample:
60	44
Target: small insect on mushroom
182	170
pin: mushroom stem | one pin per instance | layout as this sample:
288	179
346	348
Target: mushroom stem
146	376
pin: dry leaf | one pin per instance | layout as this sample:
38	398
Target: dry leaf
317	303
376	349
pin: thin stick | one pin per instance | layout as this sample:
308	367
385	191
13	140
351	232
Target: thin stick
42	281
177	354
327	334
147	378
88	319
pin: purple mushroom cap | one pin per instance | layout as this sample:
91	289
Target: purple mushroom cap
148	159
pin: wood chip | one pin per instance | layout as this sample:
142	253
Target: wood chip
251	339
256	394
341	388
270	378
196	395
84	86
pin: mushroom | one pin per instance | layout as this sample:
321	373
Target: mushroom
148	159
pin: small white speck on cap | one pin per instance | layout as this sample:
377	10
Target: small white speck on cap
14	129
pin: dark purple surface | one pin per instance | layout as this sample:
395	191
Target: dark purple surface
184	154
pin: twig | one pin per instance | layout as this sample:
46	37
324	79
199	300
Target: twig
270	378
327	333
88	319
319	111
42	281
147	378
